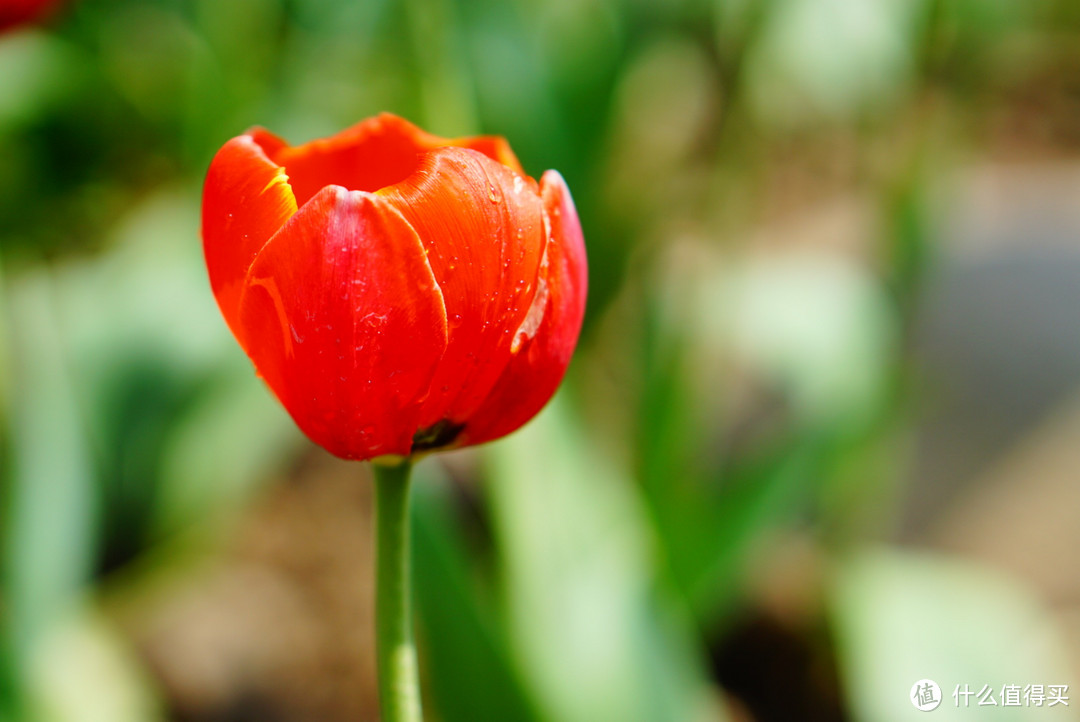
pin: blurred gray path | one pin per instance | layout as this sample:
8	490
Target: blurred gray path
997	472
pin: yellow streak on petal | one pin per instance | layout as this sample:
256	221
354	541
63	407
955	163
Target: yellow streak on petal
287	196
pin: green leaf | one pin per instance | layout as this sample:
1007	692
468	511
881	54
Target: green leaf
472	672
595	639
900	617
49	526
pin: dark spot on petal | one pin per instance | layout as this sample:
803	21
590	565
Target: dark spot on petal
436	436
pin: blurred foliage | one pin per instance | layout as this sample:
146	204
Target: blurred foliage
728	388
937	629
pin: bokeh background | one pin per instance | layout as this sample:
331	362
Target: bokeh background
821	438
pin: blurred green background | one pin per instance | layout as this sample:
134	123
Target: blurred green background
820	439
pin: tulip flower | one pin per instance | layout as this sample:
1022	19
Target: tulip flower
399	293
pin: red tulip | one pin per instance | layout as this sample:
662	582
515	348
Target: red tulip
397	291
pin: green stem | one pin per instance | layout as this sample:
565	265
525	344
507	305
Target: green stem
399	680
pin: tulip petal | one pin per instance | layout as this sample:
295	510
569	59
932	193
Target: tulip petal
373	154
246	199
546	340
344	321
482	226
